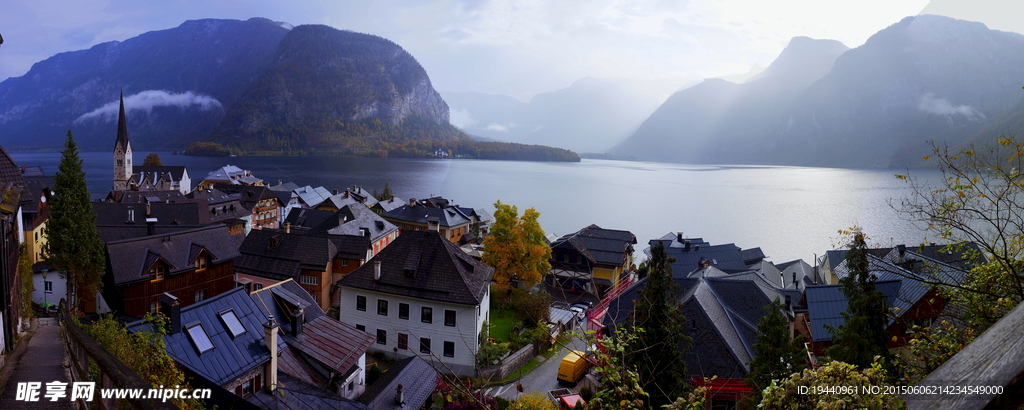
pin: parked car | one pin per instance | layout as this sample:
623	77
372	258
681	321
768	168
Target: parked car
580	312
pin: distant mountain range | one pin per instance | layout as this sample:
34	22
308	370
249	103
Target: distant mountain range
924	78
591	115
252	87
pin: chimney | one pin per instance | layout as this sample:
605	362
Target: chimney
287	227
400	395
149	209
335	191
150	226
298	319
171	306
902	249
412	201
270	340
686	245
794	279
376	269
679	237
434	224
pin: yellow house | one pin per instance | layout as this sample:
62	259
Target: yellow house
592	259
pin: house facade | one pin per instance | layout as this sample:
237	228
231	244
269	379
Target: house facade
12	186
449	221
592	259
194	265
421	296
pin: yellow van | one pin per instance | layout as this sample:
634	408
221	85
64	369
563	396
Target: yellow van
574	365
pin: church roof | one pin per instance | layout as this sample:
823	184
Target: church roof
122	128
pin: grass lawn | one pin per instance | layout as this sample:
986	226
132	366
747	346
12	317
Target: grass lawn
502	321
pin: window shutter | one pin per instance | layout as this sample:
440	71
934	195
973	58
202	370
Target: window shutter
258	386
238	390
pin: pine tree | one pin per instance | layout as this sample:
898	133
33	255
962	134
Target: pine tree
777	356
73	244
657	351
152	160
863	335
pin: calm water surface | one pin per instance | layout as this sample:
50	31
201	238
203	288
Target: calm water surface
790	212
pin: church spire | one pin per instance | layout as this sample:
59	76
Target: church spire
122	127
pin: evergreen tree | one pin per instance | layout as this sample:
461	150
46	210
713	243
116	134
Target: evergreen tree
863	335
515	247
73	244
657	351
777	356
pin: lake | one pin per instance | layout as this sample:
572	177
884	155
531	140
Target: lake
790	212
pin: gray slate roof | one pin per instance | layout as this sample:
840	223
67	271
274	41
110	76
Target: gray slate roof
448	217
600	246
422	264
274	254
826	303
130	259
354	219
118	214
417	377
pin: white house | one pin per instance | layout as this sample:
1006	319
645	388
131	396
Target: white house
421	296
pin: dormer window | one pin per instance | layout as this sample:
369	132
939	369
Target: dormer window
201	262
157	272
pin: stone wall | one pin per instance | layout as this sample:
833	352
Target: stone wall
510	364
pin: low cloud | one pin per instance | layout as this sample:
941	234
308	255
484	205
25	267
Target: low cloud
147	100
500	127
941	106
461	118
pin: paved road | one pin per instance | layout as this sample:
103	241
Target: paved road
543	378
43	362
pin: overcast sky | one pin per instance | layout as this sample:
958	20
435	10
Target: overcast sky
514	47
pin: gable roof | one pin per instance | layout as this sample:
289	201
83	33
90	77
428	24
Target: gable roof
130	259
274	254
118	214
356	220
447	217
417	377
438	270
154	174
231	356
826	304
312	196
599	245
249	195
690	253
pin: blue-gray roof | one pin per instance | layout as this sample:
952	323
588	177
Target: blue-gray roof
826	304
418	379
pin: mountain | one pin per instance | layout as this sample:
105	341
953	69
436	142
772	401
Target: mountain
184	77
334	89
590	115
718	121
923	78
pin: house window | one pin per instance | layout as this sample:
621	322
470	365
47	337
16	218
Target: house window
48	285
424	345
201	262
403	311
232	322
247	387
257	286
361	328
309	280
156	273
449	317
200	295
344	262
382	337
199	338
351	386
154	308
427	315
361	303
449	349
382	307
403	341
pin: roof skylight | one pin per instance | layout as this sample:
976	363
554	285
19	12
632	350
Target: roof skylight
200	338
232	322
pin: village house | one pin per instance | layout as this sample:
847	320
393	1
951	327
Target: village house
449	221
222	207
274	348
263	203
593	259
229	175
194	264
314	261
353	219
354	195
12	187
35	210
421	296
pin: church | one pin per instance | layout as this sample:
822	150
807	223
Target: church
143	178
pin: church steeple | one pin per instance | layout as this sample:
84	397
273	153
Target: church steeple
122	152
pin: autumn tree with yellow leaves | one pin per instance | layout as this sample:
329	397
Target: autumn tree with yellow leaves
515	247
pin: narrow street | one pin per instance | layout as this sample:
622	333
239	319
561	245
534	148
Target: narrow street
543	378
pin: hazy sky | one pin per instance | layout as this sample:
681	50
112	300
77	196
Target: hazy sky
515	47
